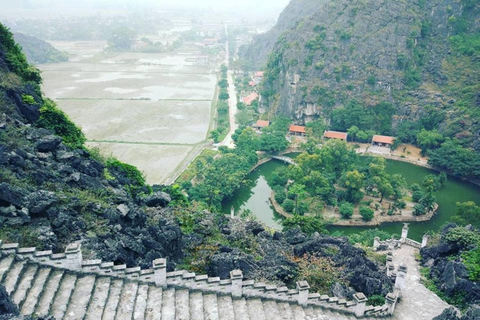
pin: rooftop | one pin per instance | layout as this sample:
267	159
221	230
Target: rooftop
383	139
295	128
262	123
335	135
250	98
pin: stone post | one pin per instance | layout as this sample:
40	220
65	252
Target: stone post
391	301
361	304
400	280
425	240
404	232
237	278
303	288
232	212
376	243
73	254
160	272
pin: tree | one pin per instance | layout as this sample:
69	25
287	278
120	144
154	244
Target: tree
353	182
453	157
427	140
352	132
299	191
272	141
288	205
248	140
223	95
346	210
366	213
308	225
223	83
122	38
467	213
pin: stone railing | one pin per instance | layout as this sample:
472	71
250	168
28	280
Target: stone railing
236	286
392	244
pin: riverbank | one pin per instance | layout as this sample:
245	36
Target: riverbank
376	221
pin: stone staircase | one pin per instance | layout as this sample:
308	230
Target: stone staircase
66	287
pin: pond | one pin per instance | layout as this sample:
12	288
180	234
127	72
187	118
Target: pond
254	197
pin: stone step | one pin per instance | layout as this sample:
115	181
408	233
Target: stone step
298	313
5	265
322	314
272	310
287	311
127	301
80	299
168	304
240	309
255	309
182	304
154	303
210	307
99	299
113	298
196	306
48	293
141	302
225	307
13	275
310	313
62	297
33	295
25	284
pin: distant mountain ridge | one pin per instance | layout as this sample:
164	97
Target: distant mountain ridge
39	51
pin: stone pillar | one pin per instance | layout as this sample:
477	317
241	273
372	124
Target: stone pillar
237	278
401	277
73	254
425	240
376	243
391	301
404	232
160	272
361	304
232	212
303	288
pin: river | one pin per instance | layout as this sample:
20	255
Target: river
254	197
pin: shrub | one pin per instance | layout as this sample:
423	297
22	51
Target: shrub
376	300
288	205
279	194
366	213
308	225
346	210
416	196
471	260
28	99
418	210
55	119
135	179
464	237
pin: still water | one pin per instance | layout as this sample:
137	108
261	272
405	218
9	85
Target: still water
254	197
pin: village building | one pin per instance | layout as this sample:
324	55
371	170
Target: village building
252	83
335	135
261	124
248	100
258	76
382	141
295	130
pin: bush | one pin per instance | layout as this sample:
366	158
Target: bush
376	300
471	260
136	180
288	205
416	196
55	119
419	210
366	213
308	225
28	99
279	194
346	210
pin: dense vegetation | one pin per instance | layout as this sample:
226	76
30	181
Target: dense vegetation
423	88
223	117
39	51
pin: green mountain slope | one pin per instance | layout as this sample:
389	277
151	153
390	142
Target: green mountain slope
387	67
39	51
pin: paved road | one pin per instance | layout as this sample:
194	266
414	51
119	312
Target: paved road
232	101
418	303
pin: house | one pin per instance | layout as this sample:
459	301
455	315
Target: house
382	141
252	83
295	130
248	100
258	76
335	135
261	124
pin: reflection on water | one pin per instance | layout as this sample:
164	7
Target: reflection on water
254	196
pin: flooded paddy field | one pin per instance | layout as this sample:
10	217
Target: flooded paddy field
152	110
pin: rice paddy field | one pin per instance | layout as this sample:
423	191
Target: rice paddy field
151	110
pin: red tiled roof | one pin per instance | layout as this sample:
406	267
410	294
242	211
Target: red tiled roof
295	128
262	123
335	135
252	83
383	139
259	74
250	98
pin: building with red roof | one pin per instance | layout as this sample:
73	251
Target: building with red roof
261	124
297	130
335	135
250	98
382	141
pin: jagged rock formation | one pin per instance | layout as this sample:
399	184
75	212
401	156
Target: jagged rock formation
323	54
67	287
39	51
452	314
